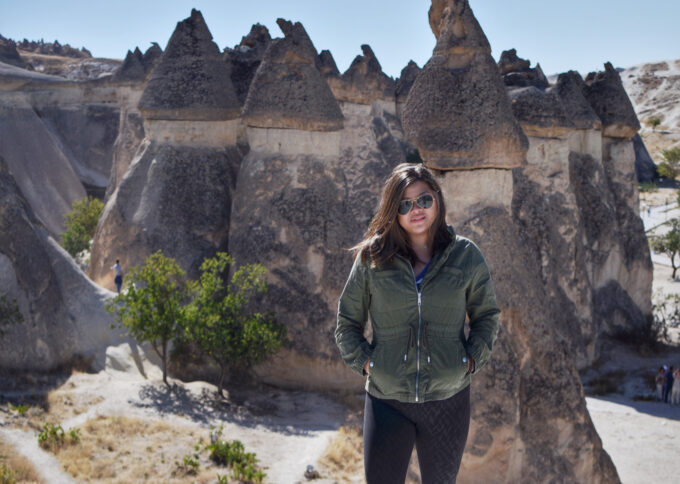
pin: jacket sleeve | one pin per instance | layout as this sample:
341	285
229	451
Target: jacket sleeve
483	313
352	317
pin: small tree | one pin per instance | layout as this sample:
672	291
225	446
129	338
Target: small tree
670	166
9	313
221	324
152	307
669	243
653	122
81	224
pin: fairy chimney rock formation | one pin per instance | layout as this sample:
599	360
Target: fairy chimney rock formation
191	81
363	82
606	94
570	88
457	112
288	91
245	58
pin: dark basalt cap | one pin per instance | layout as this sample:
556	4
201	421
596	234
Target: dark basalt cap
518	73
245	58
152	57
406	80
327	65
288	91
606	94
458	113
191	82
364	81
132	68
569	87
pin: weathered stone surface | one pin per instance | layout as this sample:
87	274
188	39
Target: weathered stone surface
457	112
63	311
288	90
406	80
645	168
87	133
364	81
606	94
130	136
132	68
569	87
298	213
245	58
541	113
529	420
152	57
177	199
9	53
516	72
38	164
511	62
327	64
191	80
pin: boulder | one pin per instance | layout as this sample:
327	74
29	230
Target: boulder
191	80
63	311
645	168
606	94
363	82
288	91
457	112
245	58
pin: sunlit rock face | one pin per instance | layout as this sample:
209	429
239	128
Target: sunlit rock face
305	193
288	91
528	213
457	110
176	194
63	310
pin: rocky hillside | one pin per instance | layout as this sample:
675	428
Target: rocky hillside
654	90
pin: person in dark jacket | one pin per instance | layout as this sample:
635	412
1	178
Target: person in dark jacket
417	281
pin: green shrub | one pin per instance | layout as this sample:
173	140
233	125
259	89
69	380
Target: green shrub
53	436
7	475
81	224
233	455
648	187
189	465
21	409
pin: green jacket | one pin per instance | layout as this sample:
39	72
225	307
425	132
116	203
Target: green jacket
419	350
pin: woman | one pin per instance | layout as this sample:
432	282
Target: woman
417	280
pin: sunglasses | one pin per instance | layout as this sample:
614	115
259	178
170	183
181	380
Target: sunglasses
423	201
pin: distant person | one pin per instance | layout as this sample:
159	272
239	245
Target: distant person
119	275
669	384
675	392
660	378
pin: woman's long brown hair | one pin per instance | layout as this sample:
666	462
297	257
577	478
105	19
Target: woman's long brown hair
385	238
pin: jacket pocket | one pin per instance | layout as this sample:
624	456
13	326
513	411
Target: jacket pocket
389	362
446	359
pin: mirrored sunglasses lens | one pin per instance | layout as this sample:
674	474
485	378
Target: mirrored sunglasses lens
425	201
405	206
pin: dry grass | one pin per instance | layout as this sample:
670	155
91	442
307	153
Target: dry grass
63	405
344	456
123	450
20	467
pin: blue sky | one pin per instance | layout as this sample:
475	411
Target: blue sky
561	35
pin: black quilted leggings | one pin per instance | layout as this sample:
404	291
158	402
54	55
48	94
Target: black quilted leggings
439	430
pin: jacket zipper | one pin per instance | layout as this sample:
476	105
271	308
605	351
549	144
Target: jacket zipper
420	302
410	337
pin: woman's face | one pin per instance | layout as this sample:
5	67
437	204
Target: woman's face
418	220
